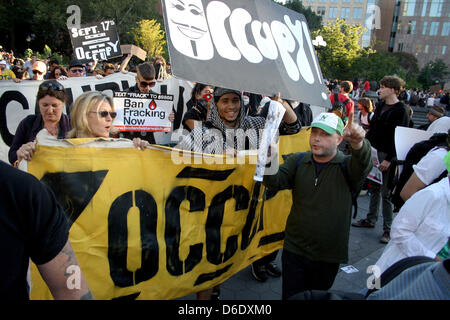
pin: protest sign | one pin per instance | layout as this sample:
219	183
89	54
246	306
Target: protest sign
375	174
155	229
95	41
142	112
254	46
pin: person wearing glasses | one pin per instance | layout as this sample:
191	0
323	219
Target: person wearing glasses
92	117
39	70
76	69
145	81
51	98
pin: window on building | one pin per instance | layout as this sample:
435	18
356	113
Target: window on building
418	48
359	1
411	27
321	11
399	27
332	13
345	13
322	0
409	8
445	29
424	8
427	48
357	13
334	0
400	47
444	50
436	8
425	28
434	28
345	1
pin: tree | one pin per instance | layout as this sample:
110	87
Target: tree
314	20
342	49
149	36
432	73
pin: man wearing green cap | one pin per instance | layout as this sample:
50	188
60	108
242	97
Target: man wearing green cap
318	226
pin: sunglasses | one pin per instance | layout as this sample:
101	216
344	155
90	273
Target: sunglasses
104	114
51	85
76	70
38	72
144	84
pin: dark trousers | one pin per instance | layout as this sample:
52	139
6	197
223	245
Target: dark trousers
301	274
266	260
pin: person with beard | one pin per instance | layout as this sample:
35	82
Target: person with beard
321	180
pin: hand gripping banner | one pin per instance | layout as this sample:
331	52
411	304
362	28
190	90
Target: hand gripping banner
143	227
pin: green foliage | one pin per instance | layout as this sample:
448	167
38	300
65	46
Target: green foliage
314	20
342	49
149	36
432	73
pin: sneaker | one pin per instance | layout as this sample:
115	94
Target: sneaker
386	236
273	270
259	273
363	223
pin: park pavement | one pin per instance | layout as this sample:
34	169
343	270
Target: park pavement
364	250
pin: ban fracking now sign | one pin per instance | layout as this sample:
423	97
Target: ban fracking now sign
96	41
256	46
142	112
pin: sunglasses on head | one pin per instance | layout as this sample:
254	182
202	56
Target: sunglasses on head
144	84
76	70
51	85
104	114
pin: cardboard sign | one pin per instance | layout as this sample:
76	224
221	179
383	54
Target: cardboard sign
254	46
142	112
99	41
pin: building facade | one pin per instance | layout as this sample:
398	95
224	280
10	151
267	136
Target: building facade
419	27
360	12
422	28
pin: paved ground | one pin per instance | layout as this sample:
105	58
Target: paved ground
364	250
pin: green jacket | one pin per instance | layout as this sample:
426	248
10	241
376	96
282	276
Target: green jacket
318	225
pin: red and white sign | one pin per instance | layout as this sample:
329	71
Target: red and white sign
142	112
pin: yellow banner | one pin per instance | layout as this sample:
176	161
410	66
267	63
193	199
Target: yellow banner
143	227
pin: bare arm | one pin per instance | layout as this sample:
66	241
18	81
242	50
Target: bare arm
63	276
413	185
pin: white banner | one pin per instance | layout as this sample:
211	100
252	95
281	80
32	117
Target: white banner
18	100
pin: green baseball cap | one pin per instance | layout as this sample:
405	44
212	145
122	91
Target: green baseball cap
328	122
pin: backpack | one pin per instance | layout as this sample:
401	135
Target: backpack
414	155
354	193
339	107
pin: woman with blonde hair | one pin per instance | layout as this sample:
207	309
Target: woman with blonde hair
92	116
365	106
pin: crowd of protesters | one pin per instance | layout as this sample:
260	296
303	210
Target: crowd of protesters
317	231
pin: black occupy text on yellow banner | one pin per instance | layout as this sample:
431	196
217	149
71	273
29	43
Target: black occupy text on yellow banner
143	227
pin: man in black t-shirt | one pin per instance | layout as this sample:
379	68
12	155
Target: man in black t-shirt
33	225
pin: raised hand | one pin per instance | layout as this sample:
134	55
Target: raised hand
354	133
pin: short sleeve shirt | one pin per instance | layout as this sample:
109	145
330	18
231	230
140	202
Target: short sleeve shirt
431	166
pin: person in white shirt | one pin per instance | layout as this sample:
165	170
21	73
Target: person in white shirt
422	227
427	170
